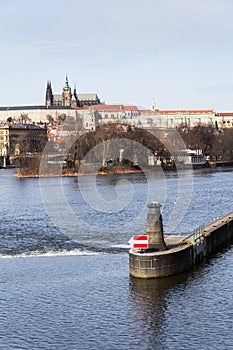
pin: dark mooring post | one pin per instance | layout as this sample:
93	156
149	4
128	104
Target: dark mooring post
154	227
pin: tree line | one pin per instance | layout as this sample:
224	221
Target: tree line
94	146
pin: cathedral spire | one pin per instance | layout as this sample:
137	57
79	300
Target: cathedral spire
75	90
66	87
49	94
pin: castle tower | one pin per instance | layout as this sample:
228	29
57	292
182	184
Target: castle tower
66	94
49	94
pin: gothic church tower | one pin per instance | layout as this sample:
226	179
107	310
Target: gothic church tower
74	101
49	94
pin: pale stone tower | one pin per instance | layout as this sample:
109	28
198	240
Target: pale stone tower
66	94
154	227
153	105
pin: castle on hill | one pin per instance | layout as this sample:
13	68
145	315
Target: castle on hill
68	98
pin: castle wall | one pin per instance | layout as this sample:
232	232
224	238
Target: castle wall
36	114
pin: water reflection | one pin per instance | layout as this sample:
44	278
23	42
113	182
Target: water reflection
113	179
149	299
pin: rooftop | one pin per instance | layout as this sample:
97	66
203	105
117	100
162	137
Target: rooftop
224	114
183	111
84	97
22	126
177	111
113	108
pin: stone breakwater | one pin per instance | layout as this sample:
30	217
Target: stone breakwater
169	255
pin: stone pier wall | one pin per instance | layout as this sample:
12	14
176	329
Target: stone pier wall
185	255
161	264
216	234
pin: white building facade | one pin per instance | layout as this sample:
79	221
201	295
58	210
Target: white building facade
224	120
96	115
175	118
132	115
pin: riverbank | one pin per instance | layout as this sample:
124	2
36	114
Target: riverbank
111	170
73	173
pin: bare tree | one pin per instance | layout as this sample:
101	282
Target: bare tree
50	118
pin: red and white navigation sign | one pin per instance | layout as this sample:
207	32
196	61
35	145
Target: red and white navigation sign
140	242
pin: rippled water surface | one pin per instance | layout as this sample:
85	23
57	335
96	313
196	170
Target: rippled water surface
64	279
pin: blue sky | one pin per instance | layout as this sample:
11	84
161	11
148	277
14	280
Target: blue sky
179	52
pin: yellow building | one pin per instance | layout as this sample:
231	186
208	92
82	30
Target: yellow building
4	140
16	139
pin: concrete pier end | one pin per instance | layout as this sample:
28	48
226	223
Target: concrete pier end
169	255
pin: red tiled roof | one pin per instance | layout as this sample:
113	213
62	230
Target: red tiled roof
224	114
148	111
120	107
107	107
81	108
113	108
130	108
176	111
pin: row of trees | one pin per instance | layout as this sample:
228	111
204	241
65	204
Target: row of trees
103	144
216	144
99	146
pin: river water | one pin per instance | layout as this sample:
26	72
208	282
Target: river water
64	278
